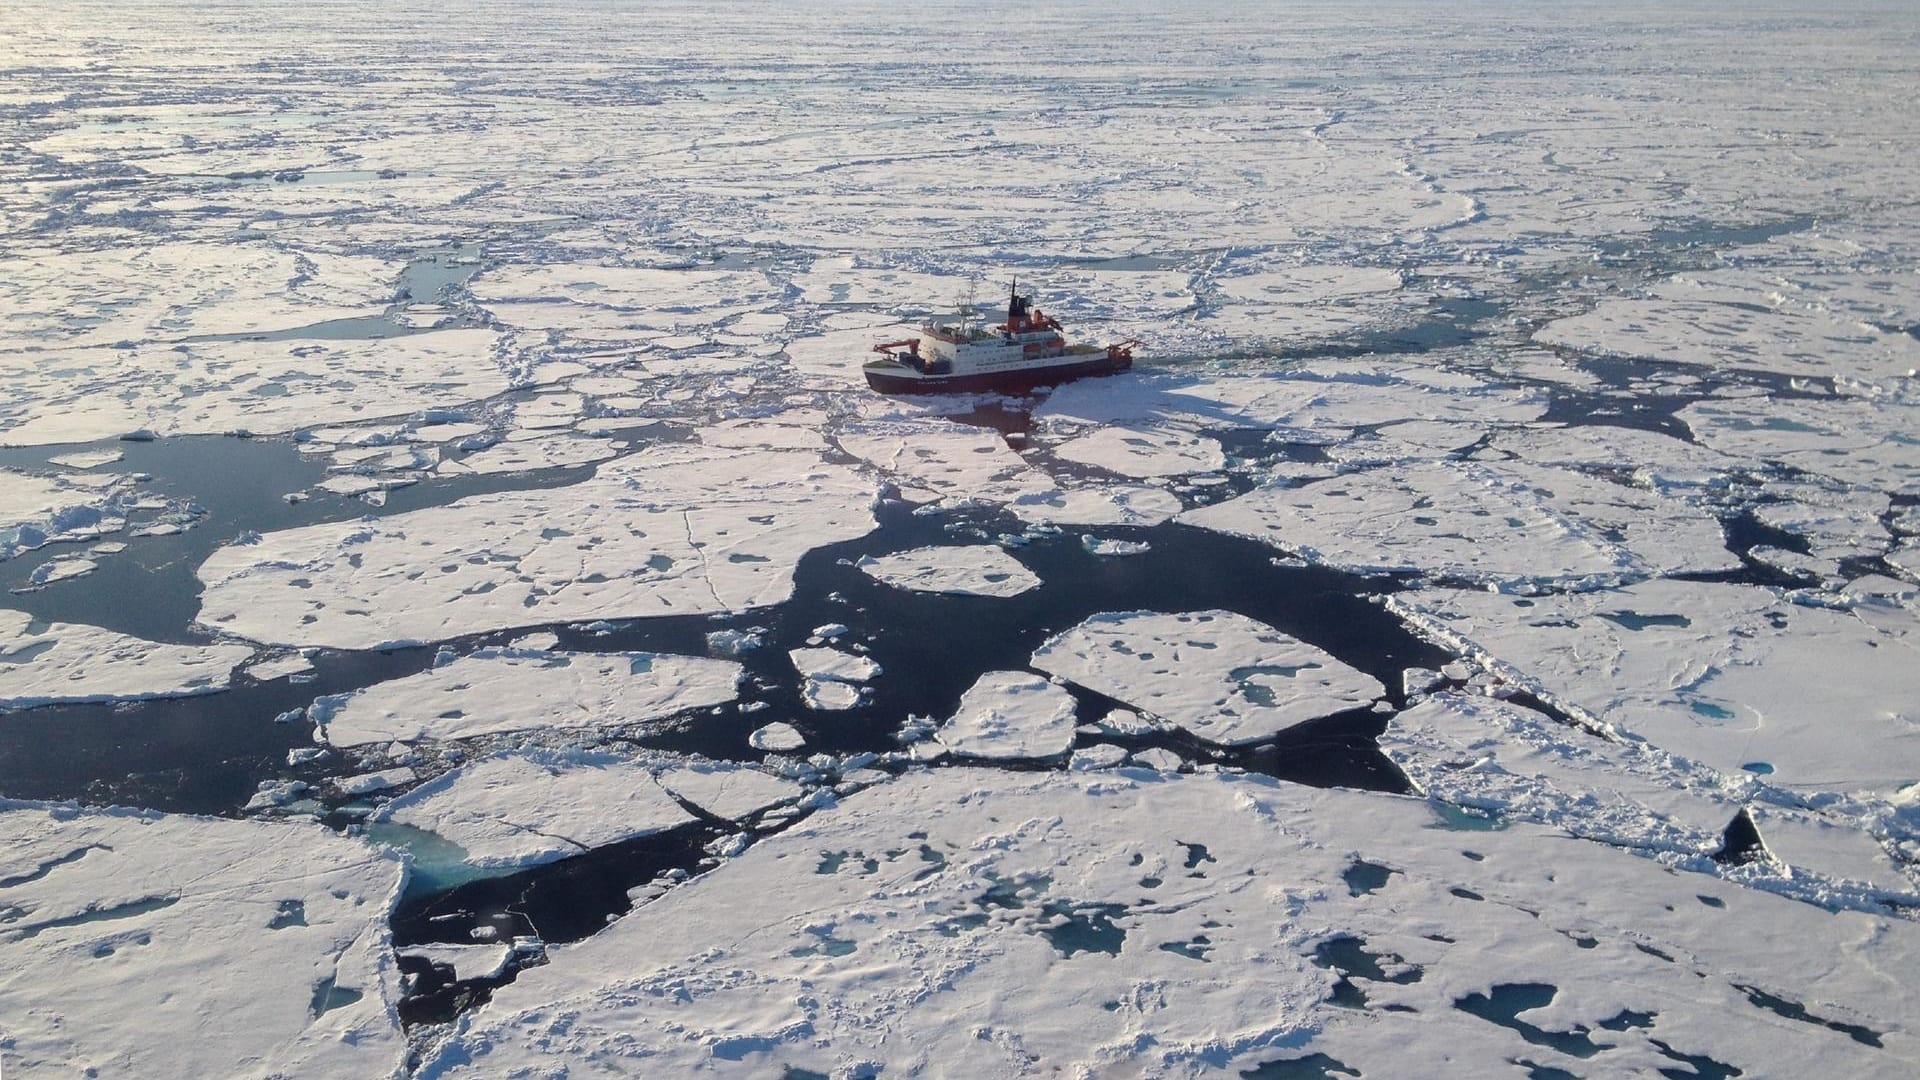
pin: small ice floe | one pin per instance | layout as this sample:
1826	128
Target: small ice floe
53	663
1158	758
369	783
1097	756
832	678
279	928
88	459
968	570
1219	675
733	643
494	690
466	961
39	510
56	570
1110	547
777	737
1011	714
279	667
521	809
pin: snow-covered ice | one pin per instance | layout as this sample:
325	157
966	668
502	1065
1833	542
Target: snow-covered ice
966	570
1735	677
263	943
673	530
1107	920
1495	523
528	808
42	663
1011	714
1219	675
494	690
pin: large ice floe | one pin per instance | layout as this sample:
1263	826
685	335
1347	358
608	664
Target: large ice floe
1219	675
260	949
493	690
677	529
1736	677
45	663
1483	522
1189	925
1860	441
1514	764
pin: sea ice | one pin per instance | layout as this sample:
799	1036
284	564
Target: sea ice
265	387
673	530
1105	920
1011	714
968	570
494	690
257	943
1730	676
47	663
526	808
1504	523
727	790
777	737
1860	441
1134	450
1221	676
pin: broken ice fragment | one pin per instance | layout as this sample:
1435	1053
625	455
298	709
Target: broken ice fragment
1221	676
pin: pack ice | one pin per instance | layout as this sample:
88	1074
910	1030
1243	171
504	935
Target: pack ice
260	949
45	663
493	690
678	529
1736	677
1196	925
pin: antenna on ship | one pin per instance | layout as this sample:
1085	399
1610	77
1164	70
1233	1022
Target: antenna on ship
967	311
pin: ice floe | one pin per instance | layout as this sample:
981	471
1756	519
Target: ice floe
1107	919
1859	441
727	790
1221	676
967	570
494	690
264	387
831	679
674	530
1735	677
1144	451
47	663
1508	523
258	943
528	808
1011	714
